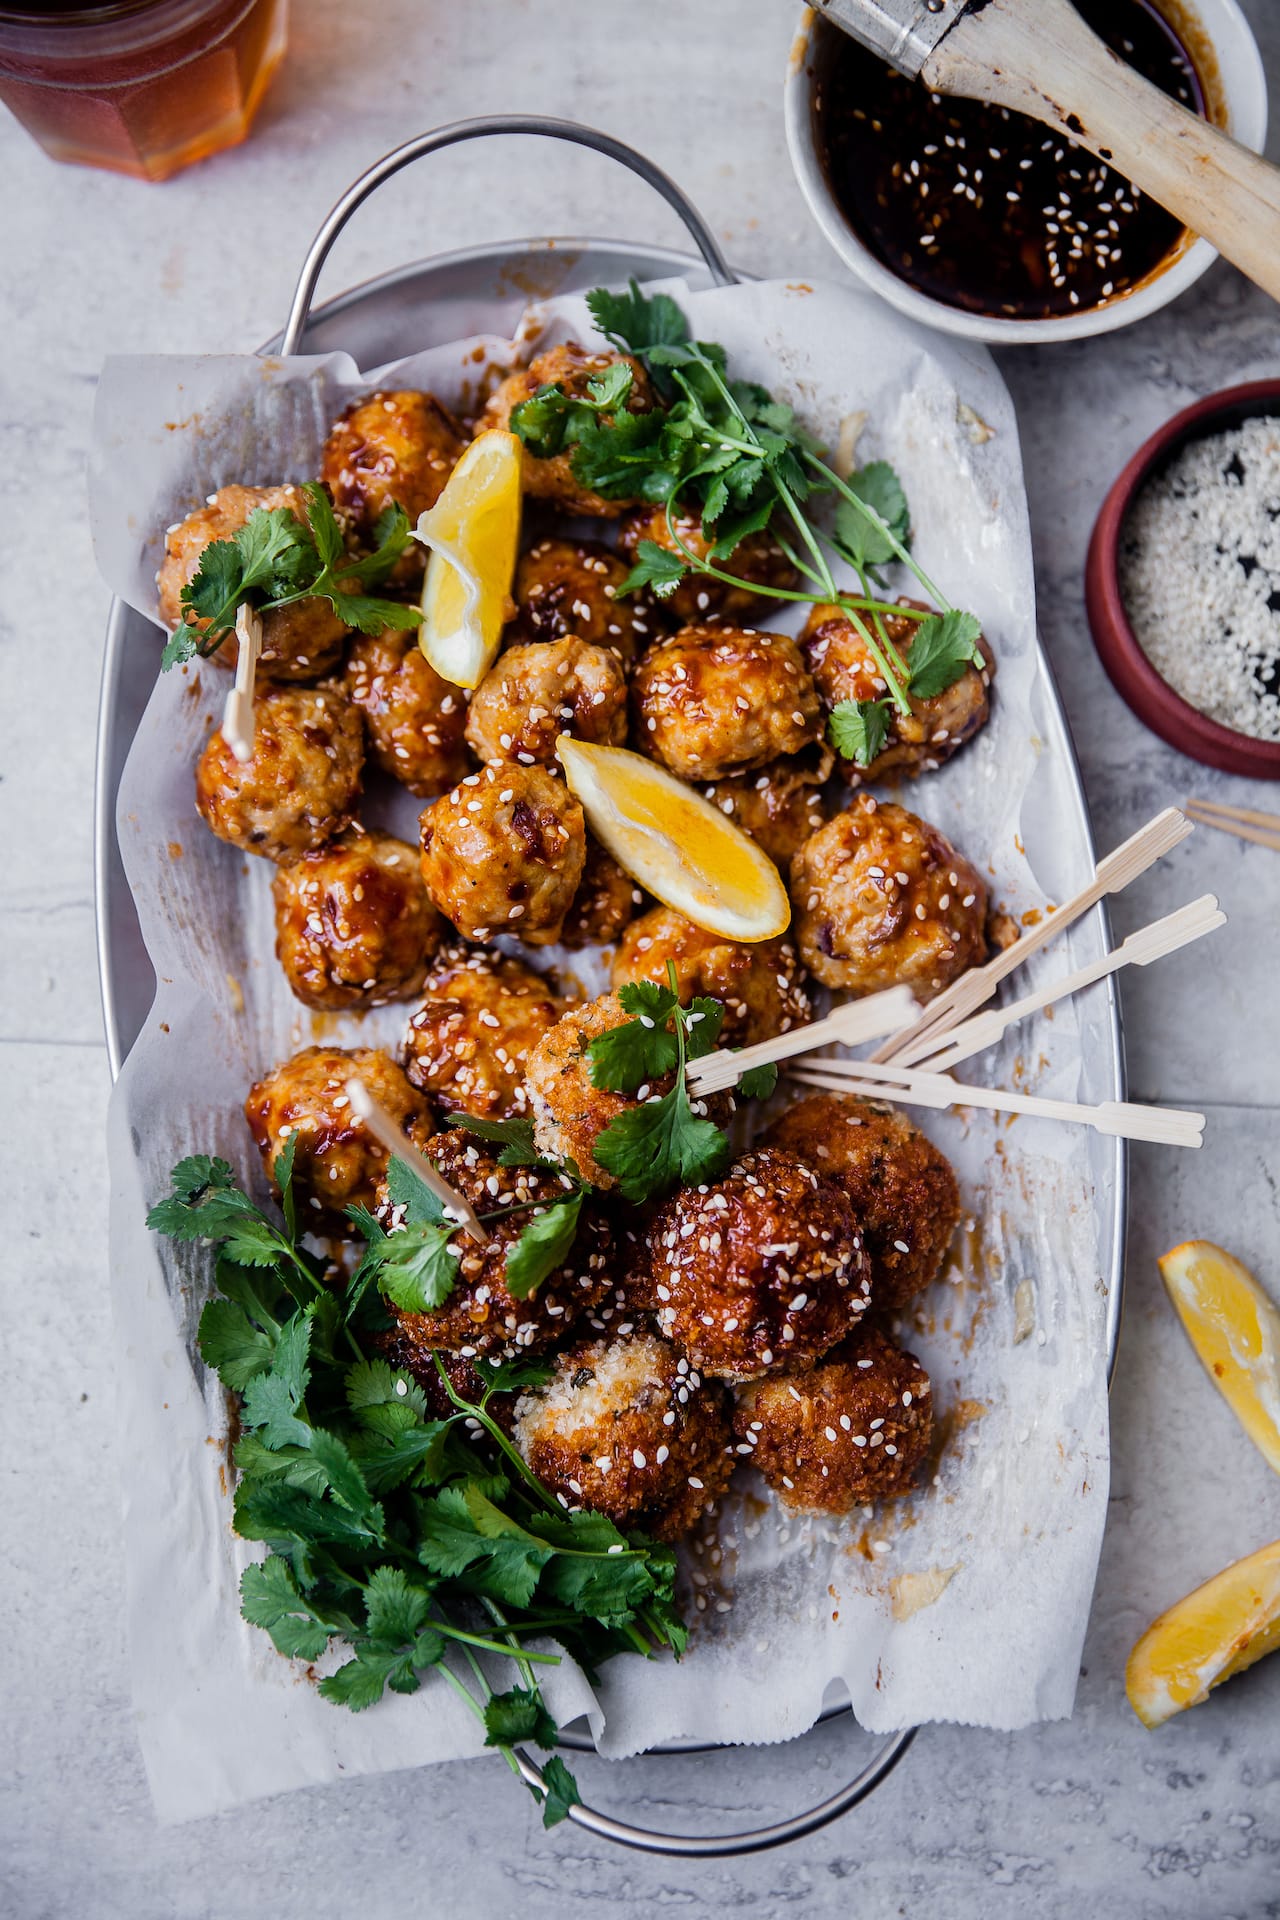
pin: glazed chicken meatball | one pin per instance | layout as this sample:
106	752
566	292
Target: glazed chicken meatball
480	1316
901	1187
531	695
337	1164
570	587
856	1427
569	367
844	669
627	1428
606	899
882	899
354	926
780	804
301	642
764	1268
468	1042
757	560
302	782
391	448
504	852
759	983
415	721
717	700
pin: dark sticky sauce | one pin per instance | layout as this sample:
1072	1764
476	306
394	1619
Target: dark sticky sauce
983	208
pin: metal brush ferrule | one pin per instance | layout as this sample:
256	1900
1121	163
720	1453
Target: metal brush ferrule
903	32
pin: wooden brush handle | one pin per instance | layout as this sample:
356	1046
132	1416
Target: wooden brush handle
1039	57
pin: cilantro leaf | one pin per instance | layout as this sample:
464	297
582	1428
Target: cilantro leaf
610	389
394	1610
517	1715
858	729
516	1136
857	533
362	1682
560	1791
941	648
374	1383
656	568
625	1057
542	422
270	1598
405	1189
661	1144
702	1022
232	1345
415	1266
757	1083
634	321
543	1246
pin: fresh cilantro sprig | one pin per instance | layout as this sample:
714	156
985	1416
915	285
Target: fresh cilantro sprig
412	1543
275	560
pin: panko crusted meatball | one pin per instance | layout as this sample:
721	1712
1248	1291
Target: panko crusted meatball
301	785
570	587
843	669
301	642
758	560
354	926
716	700
764	1268
627	1428
391	448
856	1427
780	804
605	901
882	900
531	695
337	1163
480	1316
468	1041
902	1188
415	720
504	852
569	367
759	983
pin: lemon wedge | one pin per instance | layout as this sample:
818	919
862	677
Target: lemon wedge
473	532
675	843
1235	1329
1220	1629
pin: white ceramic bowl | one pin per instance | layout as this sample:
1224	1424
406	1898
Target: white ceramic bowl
1240	107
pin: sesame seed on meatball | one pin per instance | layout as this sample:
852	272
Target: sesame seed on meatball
300	786
565	588
391	448
759	982
627	1428
531	695
855	1427
716	700
468	1042
414	719
354	926
764	1268
902	1188
758	561
337	1164
780	804
569	367
606	900
504	852
883	899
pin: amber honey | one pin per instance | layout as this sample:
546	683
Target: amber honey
143	87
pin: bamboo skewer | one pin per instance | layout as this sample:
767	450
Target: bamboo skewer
1246	823
1139	950
376	1120
856	1021
969	992
237	714
1163	1126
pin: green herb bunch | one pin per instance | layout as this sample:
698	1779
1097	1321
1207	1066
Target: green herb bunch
724	448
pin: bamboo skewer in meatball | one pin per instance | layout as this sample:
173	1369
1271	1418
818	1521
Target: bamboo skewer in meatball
883	899
717	700
700	597
779	804
300	642
300	786
393	448
504	852
531	695
354	926
569	367
469	1040
414	720
568	588
759	983
337	1162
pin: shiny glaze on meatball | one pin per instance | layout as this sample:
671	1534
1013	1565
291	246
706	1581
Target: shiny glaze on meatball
391	448
504	852
354	926
414	720
570	367
301	785
531	695
764	1268
606	899
759	983
856	1427
902	1188
757	560
337	1164
627	1428
844	669
568	587
716	700
883	899
780	804
301	642
468	1042
480	1316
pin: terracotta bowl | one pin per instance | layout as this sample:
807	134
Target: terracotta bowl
1151	697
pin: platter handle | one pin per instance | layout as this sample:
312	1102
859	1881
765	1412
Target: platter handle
481	129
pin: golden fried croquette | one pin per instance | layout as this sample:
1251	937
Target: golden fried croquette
759	982
468	1041
354	926
299	789
567	588
504	852
531	695
758	560
337	1164
569	367
716	700
413	718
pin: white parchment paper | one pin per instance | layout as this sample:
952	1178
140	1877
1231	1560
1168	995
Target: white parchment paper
966	1602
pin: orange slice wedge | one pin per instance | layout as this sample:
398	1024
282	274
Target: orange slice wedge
1220	1629
472	532
1235	1329
676	844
